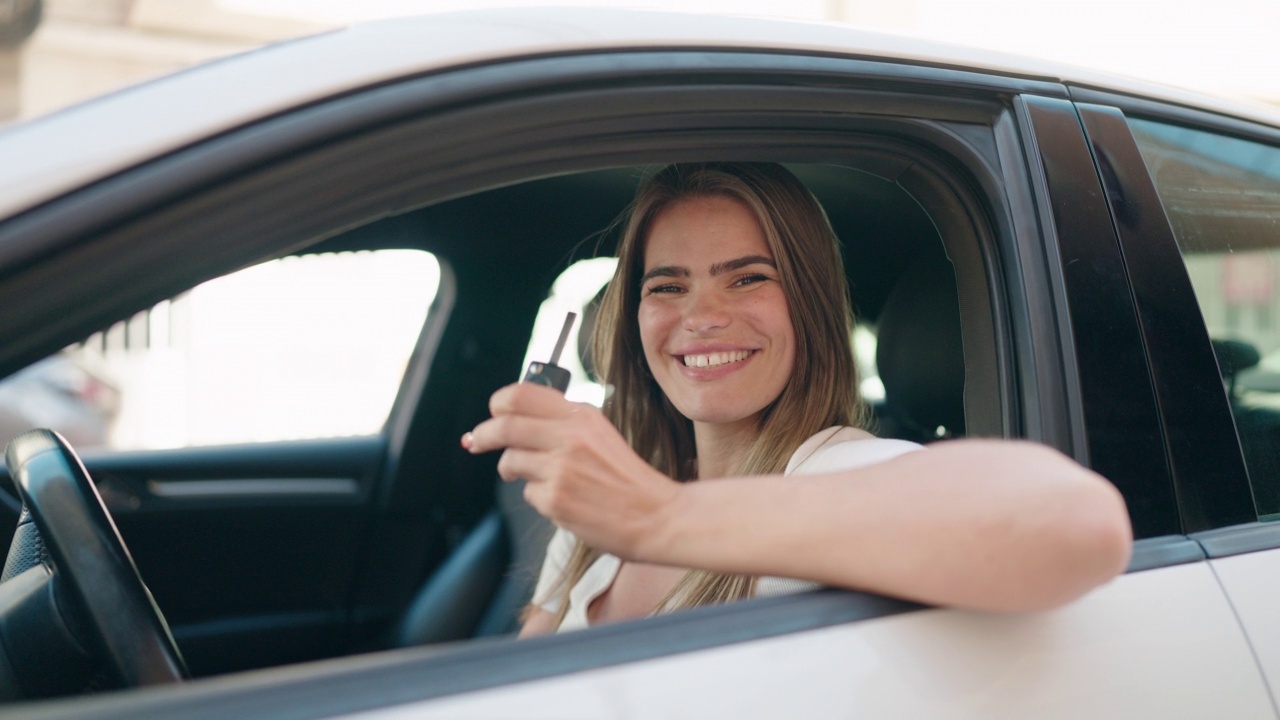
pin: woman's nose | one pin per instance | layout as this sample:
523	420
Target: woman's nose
705	311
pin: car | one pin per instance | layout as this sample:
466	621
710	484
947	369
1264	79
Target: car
1034	252
58	392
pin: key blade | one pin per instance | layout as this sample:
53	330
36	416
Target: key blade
564	336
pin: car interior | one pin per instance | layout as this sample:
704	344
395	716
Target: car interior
433	548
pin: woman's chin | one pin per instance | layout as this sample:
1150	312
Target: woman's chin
721	416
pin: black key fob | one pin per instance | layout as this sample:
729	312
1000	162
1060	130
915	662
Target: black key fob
549	373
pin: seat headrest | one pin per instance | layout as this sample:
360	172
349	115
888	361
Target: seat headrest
1234	356
919	350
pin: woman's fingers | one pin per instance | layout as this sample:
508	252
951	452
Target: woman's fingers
524	415
530	399
516	464
512	431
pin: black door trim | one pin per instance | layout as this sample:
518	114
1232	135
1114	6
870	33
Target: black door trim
1240	539
1114	390
1164	551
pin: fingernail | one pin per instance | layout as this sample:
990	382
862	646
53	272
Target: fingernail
467	441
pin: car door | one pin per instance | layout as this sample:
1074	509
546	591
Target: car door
1115	412
1162	640
1208	238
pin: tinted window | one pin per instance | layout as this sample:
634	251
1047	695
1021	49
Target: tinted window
1222	197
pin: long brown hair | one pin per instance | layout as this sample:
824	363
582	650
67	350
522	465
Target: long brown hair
822	391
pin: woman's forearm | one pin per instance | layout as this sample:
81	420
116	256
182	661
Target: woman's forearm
988	525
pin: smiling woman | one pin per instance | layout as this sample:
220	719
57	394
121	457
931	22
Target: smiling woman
730	287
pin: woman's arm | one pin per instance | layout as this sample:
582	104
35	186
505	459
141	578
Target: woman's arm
990	525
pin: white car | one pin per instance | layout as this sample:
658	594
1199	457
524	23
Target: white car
1034	252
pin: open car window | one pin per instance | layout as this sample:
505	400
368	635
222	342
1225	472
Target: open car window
302	347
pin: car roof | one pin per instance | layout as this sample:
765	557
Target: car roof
52	155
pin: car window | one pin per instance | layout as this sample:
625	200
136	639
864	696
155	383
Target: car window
1222	197
302	347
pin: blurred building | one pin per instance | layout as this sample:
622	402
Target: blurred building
85	48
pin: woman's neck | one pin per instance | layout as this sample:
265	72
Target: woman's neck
722	447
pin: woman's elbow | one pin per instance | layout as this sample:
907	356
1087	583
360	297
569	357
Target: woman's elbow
1091	545
1106	534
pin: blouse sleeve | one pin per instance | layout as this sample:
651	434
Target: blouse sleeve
559	550
844	450
831	450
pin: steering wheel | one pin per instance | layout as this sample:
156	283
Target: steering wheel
66	539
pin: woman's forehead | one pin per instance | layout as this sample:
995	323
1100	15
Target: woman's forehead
699	232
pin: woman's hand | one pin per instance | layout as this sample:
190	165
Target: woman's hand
581	473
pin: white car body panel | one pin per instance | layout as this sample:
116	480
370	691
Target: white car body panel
59	153
1162	643
1252	582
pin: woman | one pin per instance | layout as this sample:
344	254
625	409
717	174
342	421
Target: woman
725	334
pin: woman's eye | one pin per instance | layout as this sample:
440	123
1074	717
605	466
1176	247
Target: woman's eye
660	289
751	279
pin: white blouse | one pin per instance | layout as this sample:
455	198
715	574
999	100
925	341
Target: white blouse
837	448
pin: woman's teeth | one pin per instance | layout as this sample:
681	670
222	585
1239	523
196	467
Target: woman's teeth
713	359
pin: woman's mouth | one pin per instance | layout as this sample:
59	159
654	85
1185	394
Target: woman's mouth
715	359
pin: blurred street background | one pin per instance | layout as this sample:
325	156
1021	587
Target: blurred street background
83	48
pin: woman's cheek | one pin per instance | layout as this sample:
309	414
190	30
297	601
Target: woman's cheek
655	320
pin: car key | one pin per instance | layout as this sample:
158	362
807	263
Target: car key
549	373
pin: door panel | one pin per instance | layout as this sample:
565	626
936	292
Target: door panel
1161	643
1252	581
251	551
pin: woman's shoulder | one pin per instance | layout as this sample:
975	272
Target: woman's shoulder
842	448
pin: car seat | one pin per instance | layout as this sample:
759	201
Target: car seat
479	590
920	355
1257	427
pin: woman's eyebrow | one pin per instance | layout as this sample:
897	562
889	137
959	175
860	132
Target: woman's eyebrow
665	271
721	268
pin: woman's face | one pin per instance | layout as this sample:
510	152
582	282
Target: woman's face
713	317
